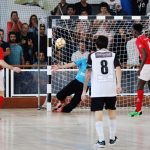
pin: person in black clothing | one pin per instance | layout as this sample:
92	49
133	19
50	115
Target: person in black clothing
139	7
26	41
43	40
83	6
4	44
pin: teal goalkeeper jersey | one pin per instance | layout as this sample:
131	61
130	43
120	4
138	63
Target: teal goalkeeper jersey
81	64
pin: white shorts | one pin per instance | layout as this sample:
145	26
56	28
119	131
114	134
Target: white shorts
145	73
2	80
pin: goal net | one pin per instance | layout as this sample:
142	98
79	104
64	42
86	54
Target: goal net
121	41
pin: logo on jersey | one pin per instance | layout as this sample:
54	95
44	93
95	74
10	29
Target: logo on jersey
103	54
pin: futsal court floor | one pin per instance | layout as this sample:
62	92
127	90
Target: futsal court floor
31	129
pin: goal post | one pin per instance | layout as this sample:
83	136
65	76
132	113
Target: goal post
76	29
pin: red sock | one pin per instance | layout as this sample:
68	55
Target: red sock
1	101
139	100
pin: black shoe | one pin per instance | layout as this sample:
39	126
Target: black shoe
100	144
112	142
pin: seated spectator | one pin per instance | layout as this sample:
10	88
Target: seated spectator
42	61
104	9
26	42
83	6
80	53
83	27
4	45
71	10
112	4
60	9
43	40
139	7
14	25
58	58
118	11
16	55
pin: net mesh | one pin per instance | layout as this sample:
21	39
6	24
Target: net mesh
121	42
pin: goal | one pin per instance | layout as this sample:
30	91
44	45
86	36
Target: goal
85	29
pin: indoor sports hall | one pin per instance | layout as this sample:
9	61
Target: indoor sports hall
36	35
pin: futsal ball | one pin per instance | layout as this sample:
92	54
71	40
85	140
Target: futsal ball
60	43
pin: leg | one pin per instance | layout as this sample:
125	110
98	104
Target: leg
1	98
76	98
139	99
97	105
111	107
99	128
112	124
140	94
62	94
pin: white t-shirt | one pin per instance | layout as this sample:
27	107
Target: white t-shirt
103	77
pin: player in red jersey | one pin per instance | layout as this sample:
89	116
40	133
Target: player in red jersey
143	45
3	64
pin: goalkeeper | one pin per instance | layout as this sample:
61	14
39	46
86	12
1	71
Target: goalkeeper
74	87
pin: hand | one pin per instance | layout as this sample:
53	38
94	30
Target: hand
55	68
16	69
119	89
83	96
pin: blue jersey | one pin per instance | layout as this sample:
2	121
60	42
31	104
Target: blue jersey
81	64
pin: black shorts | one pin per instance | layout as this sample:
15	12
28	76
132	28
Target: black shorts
98	103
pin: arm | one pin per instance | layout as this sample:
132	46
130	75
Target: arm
5	65
87	78
7	52
69	65
118	77
144	57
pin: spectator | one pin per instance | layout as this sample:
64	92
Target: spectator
33	28
83	6
80	53
43	40
60	9
139	7
119	46
58	58
33	25
119	11
16	55
112	4
71	10
26	42
42	60
82	27
104	9
14	25
4	45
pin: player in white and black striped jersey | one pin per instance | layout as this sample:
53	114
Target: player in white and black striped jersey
105	73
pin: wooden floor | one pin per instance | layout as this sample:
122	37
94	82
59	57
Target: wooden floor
31	129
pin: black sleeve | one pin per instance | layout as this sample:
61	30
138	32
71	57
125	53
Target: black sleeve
116	62
89	62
